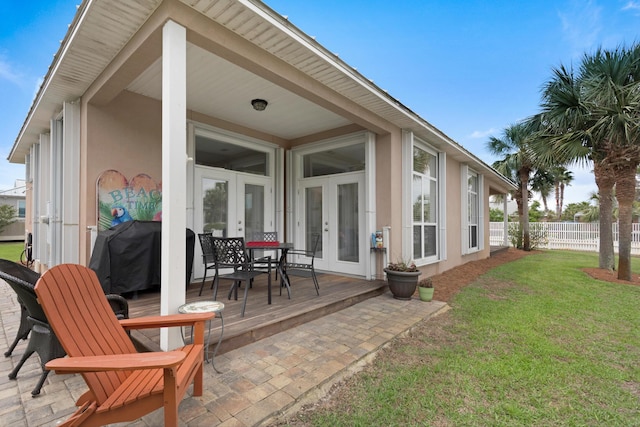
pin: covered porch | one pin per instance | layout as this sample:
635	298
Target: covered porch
261	320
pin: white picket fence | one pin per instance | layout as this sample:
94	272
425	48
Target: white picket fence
567	235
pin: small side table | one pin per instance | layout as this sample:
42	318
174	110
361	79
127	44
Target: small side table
206	307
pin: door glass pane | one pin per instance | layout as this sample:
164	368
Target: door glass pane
253	209
215	202
348	227
313	218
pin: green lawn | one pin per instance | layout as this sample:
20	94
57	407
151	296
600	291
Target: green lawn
11	250
535	342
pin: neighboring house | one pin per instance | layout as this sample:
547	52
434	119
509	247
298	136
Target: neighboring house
243	123
15	197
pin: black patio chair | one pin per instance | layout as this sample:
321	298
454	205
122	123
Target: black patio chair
266	262
304	269
230	253
42	340
206	244
25	327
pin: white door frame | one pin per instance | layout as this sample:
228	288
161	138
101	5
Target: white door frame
296	195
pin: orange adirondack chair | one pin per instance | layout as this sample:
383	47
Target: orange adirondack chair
123	384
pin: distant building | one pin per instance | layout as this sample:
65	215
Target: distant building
15	197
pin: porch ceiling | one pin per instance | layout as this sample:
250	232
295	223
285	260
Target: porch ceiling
102	28
220	89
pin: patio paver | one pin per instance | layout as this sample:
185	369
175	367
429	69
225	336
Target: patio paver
269	378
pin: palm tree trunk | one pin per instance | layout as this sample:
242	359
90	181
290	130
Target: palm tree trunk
625	193
557	192
524	219
561	197
605	180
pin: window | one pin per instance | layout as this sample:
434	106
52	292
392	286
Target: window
472	209
22	206
424	199
472	206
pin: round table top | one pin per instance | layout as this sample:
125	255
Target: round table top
201	307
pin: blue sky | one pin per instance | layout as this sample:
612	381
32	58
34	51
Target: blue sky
470	68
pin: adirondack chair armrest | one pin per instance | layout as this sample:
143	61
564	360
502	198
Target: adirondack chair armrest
166	321
118	362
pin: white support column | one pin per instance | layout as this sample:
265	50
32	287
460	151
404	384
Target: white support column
70	212
505	238
174	176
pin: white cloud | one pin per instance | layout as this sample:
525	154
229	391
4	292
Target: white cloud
476	134
581	25
632	5
7	72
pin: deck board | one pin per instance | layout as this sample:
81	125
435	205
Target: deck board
261	320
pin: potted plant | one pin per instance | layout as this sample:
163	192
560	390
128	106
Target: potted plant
402	277
425	289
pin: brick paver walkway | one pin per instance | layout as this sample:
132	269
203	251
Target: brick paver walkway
270	378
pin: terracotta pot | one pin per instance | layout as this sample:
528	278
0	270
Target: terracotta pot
402	284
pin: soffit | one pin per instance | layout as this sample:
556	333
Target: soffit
92	42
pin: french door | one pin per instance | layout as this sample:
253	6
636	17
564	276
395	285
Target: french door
333	207
231	204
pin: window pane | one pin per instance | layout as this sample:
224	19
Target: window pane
430	203
430	243
417	198
219	154
424	162
473	236
214	204
253	209
313	218
337	160
21	208
348	226
417	242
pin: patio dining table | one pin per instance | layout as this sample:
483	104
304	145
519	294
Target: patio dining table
283	248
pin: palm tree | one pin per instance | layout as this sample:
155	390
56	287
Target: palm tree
566	121
542	183
518	162
595	116
561	178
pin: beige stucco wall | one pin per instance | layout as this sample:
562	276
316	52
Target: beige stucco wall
126	136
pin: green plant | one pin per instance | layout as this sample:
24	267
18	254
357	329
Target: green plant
7	216
402	265
426	283
537	235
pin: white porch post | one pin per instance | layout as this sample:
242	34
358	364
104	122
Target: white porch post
174	176
505	237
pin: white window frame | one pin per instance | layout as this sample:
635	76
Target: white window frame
467	197
409	142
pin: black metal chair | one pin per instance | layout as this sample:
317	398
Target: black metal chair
25	327
208	259
305	269
42	340
266	262
230	253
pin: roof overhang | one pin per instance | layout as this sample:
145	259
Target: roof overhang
101	29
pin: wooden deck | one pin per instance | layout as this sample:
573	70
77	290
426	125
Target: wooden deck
261	320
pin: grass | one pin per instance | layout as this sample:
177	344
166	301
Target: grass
532	342
11	250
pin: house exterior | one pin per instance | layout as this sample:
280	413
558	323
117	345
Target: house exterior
15	197
164	90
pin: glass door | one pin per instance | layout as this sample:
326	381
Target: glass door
333	207
230	204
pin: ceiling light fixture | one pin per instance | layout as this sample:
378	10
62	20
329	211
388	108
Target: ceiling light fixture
259	104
